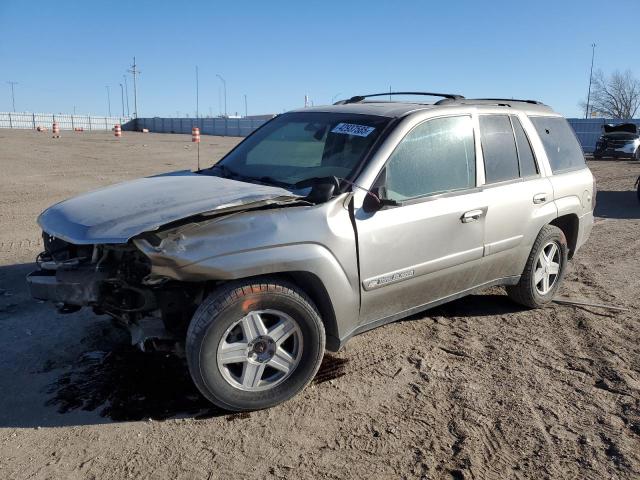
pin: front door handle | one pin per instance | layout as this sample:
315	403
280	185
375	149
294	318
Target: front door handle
471	216
539	198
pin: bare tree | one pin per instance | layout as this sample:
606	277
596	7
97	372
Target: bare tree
617	96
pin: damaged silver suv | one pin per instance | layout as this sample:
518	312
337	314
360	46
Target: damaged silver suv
322	224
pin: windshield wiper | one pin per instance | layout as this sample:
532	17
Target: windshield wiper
266	180
226	171
270	181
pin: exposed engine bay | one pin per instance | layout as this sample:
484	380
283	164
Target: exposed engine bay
115	279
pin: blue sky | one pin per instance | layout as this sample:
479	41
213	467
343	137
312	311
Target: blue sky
62	54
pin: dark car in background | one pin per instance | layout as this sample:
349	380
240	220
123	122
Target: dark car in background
618	141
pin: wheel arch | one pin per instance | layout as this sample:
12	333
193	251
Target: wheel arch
569	224
314	288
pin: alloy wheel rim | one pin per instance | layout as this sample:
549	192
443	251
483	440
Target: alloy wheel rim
260	350
547	268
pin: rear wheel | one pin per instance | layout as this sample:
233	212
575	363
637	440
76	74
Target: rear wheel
253	344
544	269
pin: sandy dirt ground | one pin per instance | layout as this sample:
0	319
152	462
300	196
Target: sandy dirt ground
479	388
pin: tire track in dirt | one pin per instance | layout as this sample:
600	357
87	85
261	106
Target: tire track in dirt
10	246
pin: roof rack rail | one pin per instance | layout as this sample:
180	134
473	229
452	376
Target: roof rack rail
534	102
360	98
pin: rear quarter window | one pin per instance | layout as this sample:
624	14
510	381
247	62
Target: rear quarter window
560	143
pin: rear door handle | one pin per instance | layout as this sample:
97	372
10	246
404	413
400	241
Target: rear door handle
471	216
539	198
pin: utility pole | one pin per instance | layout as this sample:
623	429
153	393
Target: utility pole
593	54
245	106
224	86
135	72
126	91
13	96
122	97
197	97
108	99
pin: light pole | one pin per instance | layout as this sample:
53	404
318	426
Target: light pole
197	97
108	99
593	54
224	87
126	91
245	106
122	96
13	97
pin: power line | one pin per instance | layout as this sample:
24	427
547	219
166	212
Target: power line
593	54
13	96
135	72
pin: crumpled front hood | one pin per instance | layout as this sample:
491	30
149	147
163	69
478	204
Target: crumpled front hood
116	213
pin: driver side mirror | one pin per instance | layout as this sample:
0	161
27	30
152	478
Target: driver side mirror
375	200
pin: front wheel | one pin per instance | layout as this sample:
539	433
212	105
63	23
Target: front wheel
544	269
252	344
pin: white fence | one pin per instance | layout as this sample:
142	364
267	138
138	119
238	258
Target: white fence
25	120
228	127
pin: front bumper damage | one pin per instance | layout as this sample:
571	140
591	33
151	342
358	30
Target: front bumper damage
109	284
72	288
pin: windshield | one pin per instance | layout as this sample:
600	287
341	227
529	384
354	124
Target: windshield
295	147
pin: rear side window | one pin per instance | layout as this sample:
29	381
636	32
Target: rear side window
498	148
560	143
436	156
528	165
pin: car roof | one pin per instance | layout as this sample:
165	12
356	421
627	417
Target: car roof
396	109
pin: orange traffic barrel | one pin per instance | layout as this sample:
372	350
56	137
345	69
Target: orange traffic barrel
56	130
117	130
195	135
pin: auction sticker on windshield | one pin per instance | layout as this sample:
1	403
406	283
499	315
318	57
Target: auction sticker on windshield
353	129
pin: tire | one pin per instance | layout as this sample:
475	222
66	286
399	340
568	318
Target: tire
234	348
530	291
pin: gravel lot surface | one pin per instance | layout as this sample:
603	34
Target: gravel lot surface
479	388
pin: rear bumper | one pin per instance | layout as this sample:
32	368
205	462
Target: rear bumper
75	287
612	153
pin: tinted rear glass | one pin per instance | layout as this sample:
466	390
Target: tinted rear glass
560	143
498	148
528	165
